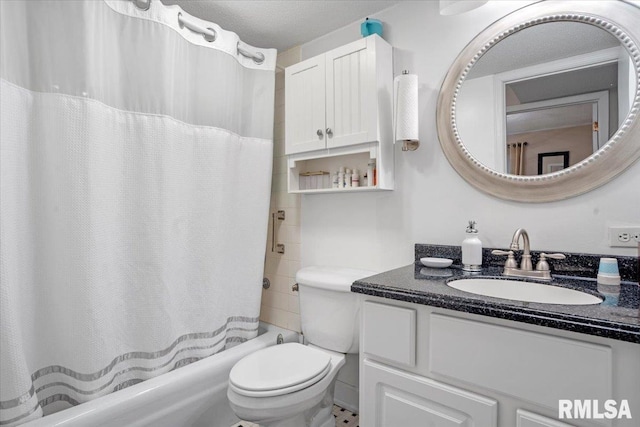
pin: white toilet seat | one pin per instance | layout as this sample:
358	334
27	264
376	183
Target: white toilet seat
293	408
279	370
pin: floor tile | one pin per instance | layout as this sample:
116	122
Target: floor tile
344	418
245	424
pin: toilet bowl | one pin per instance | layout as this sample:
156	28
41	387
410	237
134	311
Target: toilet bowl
299	400
292	385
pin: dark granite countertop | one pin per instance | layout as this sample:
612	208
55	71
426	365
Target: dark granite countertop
617	317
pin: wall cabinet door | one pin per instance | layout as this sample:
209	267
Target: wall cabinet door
351	94
392	398
305	106
340	98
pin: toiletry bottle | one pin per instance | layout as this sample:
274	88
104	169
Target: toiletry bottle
471	249
355	178
334	181
347	178
371	173
341	178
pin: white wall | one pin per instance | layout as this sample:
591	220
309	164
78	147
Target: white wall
431	203
477	121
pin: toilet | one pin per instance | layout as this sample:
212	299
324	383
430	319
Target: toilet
291	385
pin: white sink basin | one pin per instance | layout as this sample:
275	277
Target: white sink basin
524	291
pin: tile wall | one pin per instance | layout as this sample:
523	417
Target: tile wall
279	303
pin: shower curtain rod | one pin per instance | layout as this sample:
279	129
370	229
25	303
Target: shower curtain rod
208	33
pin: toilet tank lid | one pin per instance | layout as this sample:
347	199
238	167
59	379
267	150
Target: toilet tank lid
331	278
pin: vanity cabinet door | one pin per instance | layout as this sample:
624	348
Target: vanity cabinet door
351	94
389	334
305	106
392	398
529	419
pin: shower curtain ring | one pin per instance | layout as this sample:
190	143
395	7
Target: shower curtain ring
208	33
142	4
257	57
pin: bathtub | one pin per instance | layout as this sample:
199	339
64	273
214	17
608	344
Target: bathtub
194	395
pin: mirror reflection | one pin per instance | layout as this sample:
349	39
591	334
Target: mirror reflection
545	98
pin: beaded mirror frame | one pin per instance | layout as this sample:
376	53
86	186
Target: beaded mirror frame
620	19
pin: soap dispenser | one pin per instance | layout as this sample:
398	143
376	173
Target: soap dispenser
472	249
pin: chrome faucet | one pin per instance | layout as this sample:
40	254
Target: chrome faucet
525	263
542	271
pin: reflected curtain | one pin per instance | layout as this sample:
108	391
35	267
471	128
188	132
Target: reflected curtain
515	157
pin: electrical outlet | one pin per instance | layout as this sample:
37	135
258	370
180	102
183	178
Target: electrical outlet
624	236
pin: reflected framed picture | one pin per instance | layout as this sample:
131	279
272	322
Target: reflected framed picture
552	162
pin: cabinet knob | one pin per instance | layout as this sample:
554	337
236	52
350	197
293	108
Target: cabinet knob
319	133
329	132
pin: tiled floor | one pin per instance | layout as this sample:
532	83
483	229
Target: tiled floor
344	418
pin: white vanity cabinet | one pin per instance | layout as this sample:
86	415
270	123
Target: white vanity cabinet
393	397
421	365
339	104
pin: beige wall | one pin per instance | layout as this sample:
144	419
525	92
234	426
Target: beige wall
577	140
279	303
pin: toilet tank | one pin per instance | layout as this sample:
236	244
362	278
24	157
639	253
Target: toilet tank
329	311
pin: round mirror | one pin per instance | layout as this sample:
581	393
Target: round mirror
543	104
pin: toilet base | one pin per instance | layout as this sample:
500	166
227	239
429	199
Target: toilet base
319	415
320	420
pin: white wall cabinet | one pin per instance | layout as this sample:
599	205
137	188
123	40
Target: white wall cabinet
469	370
338	112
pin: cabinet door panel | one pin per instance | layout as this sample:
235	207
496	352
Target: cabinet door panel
399	408
529	419
394	398
389	333
526	365
350	95
305	106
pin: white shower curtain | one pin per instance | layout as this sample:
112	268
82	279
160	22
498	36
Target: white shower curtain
135	178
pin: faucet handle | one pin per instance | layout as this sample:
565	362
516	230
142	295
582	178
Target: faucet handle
553	256
543	265
501	252
511	261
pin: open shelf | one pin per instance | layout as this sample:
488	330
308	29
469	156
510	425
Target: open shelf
337	190
330	161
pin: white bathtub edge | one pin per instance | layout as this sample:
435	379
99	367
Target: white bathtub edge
143	403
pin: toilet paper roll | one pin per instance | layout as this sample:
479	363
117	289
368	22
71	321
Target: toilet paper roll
406	107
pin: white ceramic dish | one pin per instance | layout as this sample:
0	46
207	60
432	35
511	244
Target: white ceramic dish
436	272
436	262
